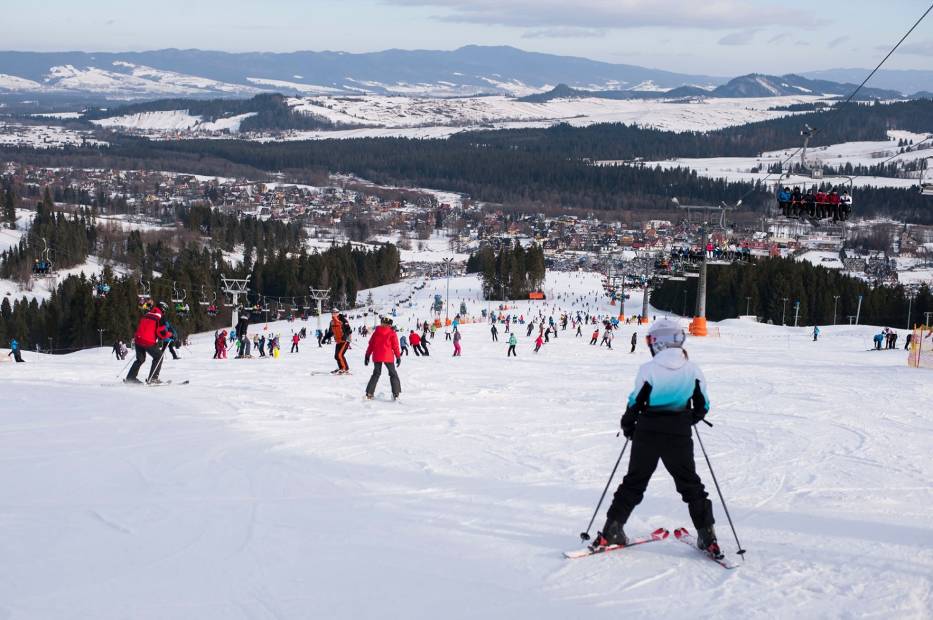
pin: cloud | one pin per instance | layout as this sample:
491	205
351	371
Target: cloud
742	37
616	14
920	48
565	33
837	41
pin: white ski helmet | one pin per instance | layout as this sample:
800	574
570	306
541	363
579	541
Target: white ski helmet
665	334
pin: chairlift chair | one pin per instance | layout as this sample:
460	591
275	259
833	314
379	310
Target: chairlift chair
926	189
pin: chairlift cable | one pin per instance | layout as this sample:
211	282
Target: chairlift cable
853	93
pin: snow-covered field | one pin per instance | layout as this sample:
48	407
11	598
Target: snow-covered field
172	121
855	153
367	116
406	112
261	490
44	136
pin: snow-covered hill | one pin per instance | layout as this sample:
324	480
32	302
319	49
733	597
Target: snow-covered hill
443	117
172	121
866	153
262	490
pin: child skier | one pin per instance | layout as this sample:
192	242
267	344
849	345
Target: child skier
668	399
512	342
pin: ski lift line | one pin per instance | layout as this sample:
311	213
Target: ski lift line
894	49
853	93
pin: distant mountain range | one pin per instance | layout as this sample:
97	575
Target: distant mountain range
470	70
752	85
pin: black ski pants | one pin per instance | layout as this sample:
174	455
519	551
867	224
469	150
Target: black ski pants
377	372
511	351
155	353
676	452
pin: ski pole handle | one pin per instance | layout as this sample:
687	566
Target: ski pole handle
709	424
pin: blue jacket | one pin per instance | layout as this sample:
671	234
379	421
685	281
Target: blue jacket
783	196
14	345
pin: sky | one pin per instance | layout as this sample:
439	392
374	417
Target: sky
712	37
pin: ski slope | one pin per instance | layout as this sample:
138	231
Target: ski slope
261	490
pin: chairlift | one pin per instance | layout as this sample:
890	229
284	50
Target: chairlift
144	296
817	211
926	189
44	267
178	298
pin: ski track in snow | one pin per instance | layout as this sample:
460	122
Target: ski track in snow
261	491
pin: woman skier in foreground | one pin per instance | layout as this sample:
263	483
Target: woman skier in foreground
668	399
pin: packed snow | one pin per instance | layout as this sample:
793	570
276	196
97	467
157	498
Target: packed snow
268	488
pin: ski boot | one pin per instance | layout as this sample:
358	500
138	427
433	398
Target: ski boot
611	534
706	541
369	397
132	381
154	381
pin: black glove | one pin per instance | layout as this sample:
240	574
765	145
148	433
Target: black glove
628	422
630	418
697	404
398	362
366	361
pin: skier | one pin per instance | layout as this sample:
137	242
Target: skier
446	332
117	347
595	337
295	339
579	331
495	333
384	350
512	342
634	341
415	341
668	399
149	332
14	351
242	324
538	342
403	343
816	333
169	342
457	337
342	334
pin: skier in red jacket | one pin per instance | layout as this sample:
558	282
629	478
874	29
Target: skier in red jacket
149	333
384	350
415	341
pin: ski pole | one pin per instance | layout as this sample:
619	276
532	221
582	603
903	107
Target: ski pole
125	366
741	551
584	536
157	366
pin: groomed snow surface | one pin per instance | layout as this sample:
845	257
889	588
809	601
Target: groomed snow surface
262	490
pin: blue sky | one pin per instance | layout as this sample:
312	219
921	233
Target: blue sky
716	37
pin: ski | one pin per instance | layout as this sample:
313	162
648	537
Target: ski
684	536
169	382
658	534
324	373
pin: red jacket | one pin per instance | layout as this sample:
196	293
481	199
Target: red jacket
383	345
414	339
151	329
295	339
